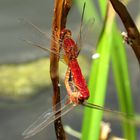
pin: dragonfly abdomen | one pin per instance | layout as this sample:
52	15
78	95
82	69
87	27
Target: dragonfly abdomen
79	80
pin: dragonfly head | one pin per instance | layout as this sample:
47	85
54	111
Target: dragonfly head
83	97
65	33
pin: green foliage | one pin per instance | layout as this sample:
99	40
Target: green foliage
121	76
111	49
97	87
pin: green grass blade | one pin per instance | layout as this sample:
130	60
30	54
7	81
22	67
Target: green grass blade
97	87
123	85
90	10
103	5
98	84
99	74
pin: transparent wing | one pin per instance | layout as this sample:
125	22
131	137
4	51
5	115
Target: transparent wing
84	36
114	115
36	44
34	33
79	43
48	117
40	39
86	41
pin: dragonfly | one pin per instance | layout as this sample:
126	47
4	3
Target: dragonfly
75	83
71	53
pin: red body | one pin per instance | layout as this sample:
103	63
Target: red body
79	80
71	52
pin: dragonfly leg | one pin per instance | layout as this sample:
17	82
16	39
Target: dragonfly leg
73	92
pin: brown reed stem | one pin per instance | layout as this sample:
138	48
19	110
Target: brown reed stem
61	9
129	25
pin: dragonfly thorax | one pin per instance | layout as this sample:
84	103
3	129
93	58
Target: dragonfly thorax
70	48
68	44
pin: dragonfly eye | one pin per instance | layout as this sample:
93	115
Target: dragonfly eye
81	100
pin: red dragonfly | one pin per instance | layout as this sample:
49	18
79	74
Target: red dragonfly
75	84
71	53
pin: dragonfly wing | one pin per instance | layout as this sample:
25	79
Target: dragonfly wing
48	117
38	45
84	33
35	33
113	114
41	39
